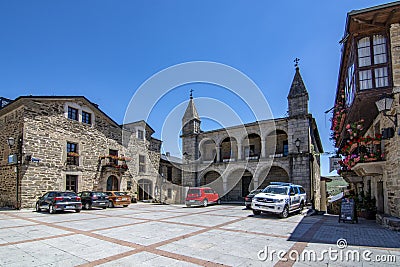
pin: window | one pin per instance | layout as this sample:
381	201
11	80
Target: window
142	164
71	183
285	148
302	191
113	156
372	62
86	117
72	154
169	173
140	134
72	113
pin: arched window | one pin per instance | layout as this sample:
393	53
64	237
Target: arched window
112	183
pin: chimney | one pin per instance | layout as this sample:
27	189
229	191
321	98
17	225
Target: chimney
168	154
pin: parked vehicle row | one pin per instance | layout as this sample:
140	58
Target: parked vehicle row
54	201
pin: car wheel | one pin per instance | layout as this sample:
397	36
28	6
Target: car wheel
87	206
301	206
125	206
248	207
219	201
205	202
256	212
104	208
285	212
111	204
38	209
51	209
78	210
187	205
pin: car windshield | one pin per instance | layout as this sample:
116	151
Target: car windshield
194	191
276	190
67	194
119	193
99	194
256	191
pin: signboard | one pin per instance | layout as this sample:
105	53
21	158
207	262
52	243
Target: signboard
334	163
12	159
348	211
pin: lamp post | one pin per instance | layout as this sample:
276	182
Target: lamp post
384	105
11	143
297	144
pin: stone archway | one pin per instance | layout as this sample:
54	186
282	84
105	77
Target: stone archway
214	180
239	183
112	183
275	174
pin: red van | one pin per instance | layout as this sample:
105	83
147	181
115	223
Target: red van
201	196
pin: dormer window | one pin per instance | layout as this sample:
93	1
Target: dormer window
140	134
86	117
372	62
73	114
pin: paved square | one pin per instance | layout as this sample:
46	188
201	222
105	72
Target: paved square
162	235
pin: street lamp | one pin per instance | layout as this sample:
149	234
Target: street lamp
11	142
297	144
384	105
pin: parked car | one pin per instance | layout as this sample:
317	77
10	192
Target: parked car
201	196
279	198
118	198
54	201
249	197
91	199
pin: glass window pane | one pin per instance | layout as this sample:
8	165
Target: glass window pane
365	78
379	43
364	54
381	77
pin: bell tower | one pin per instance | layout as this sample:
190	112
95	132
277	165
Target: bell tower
190	150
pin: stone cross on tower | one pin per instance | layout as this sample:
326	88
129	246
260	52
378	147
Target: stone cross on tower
296	61
191	93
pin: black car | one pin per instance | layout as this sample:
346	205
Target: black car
249	197
59	201
93	199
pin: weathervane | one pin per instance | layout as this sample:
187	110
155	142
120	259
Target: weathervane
191	93
296	61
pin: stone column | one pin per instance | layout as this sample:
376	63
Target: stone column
240	151
263	148
218	154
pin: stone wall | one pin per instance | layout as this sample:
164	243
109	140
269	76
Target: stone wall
11	125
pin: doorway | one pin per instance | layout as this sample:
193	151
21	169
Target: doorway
112	183
145	189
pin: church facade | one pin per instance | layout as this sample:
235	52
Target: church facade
238	159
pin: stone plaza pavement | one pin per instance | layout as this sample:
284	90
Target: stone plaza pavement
173	235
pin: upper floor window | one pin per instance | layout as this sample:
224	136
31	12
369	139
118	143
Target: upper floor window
86	117
372	62
114	156
72	154
73	114
142	164
140	134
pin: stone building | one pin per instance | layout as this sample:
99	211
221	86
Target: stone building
367	139
170	182
237	159
68	143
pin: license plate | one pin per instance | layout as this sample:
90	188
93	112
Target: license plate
102	203
124	198
70	207
191	200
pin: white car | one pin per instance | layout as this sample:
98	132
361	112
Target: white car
279	198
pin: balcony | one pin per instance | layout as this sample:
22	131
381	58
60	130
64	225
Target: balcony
112	163
363	157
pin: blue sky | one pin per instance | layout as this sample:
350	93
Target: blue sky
105	50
